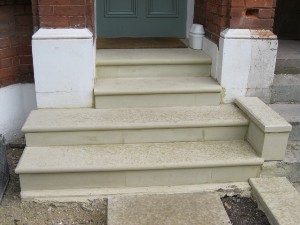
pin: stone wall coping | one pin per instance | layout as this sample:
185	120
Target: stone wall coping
262	115
247	34
46	34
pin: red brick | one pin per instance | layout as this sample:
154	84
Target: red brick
259	3
266	13
45	10
19	9
7	53
237	12
27	59
54	21
9	72
4	63
23	69
61	2
237	3
211	8
68	11
77	21
250	23
5	42
23	20
24	50
28	9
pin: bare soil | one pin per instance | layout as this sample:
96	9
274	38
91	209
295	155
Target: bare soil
15	212
244	211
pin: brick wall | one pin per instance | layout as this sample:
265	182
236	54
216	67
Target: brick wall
15	42
63	14
214	15
252	14
217	15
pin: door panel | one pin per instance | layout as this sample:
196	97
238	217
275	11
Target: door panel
141	18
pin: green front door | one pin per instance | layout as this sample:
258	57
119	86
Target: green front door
141	18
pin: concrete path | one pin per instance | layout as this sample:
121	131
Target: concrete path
178	209
291	112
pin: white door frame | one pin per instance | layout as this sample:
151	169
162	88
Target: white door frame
190	16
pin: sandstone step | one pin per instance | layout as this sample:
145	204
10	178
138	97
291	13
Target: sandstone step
278	198
64	168
152	62
178	209
47	127
156	92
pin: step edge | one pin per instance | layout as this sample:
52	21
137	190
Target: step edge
153	92
135	127
255	161
154	62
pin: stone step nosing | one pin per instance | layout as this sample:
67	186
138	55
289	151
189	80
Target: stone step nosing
136	127
99	92
153	62
233	163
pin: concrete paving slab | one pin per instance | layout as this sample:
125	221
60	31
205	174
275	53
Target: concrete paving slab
278	199
288	57
291	112
286	88
182	209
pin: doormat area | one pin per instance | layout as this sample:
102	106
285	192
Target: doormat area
135	43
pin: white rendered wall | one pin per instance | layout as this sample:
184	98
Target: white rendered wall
246	63
64	67
211	49
16	101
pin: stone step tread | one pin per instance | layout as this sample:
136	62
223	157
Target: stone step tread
291	112
172	209
278	198
121	57
87	119
156	85
145	156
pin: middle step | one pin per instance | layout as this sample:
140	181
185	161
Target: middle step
50	127
156	92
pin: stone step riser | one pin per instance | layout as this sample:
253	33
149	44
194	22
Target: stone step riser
153	71
37	183
156	100
136	136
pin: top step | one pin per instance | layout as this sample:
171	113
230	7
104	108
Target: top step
172	56
152	62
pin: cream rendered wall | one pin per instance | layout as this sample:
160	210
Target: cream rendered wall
16	101
244	62
64	68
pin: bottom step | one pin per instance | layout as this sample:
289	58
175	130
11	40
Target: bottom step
192	209
135	165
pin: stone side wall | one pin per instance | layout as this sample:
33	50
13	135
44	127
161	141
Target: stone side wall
15	42
63	14
217	15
